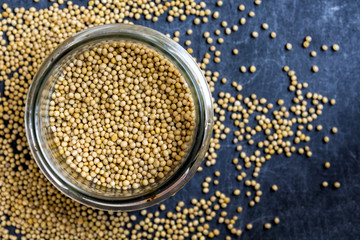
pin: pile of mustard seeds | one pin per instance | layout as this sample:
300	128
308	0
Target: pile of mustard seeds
122	115
32	206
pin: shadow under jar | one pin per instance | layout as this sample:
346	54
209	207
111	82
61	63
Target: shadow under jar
41	137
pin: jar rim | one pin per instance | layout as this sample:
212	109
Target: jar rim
177	54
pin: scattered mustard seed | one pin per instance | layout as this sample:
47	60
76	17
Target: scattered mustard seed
306	44
334	130
265	26
252	69
337	185
335	47
288	46
249	226
257	2
267	225
243	69
242	21
315	68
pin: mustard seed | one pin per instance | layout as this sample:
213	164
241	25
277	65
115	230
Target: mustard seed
335	47
288	46
249	226
252	69
255	34
267	225
315	68
334	130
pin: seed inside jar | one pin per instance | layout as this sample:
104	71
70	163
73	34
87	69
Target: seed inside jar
122	114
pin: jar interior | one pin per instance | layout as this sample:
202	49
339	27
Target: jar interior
50	151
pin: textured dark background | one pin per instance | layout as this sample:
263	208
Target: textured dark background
305	209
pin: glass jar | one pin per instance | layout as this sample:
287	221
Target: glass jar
40	136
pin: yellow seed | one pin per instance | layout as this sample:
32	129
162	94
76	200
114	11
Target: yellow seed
335	47
254	34
280	102
273	34
170	18
315	68
334	130
324	184
249	226
306	44
265	26
197	21
327	165
267	225
288	46
337	185
252	69
274	188
257	2
242	21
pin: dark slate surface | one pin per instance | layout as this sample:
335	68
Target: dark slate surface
306	211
